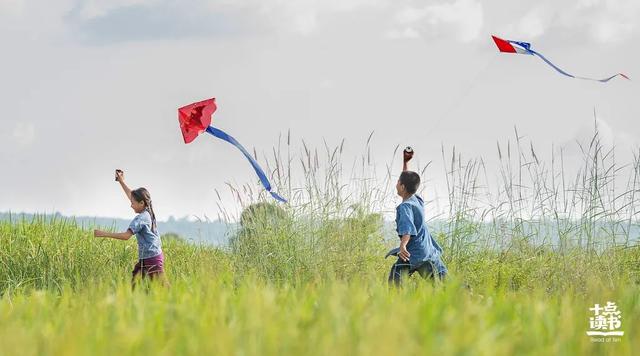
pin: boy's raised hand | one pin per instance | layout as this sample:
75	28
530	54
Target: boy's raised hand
407	154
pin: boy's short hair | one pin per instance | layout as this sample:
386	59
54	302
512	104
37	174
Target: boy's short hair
410	180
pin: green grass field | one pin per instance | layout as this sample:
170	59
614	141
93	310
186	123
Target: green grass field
66	293
310	279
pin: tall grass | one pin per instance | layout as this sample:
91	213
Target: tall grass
540	201
46	253
527	257
562	222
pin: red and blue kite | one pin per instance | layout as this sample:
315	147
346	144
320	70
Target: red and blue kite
508	46
196	118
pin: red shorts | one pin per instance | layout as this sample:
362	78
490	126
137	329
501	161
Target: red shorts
149	267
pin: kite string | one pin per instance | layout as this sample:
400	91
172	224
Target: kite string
463	94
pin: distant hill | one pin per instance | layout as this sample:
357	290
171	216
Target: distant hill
217	233
207	232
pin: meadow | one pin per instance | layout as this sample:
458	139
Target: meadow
527	257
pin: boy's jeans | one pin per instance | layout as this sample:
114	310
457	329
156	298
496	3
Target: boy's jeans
425	270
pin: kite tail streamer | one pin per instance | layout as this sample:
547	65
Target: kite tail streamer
552	65
263	177
573	76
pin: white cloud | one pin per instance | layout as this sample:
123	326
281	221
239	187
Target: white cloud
607	30
130	20
602	21
460	19
534	23
11	7
299	16
24	133
407	32
302	16
588	3
605	20
90	9
22	20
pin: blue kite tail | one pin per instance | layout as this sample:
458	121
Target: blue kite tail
571	75
551	64
263	177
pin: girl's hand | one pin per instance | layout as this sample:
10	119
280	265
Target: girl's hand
119	175
97	233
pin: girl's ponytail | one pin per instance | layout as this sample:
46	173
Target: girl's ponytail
154	227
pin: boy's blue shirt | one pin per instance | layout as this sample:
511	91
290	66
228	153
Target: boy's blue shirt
422	246
149	244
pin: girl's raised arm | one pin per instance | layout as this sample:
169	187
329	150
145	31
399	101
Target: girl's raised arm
120	179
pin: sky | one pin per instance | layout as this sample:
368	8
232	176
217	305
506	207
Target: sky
87	86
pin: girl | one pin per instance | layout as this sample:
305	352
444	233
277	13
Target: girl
150	258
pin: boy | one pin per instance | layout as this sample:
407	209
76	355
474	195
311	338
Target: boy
418	250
